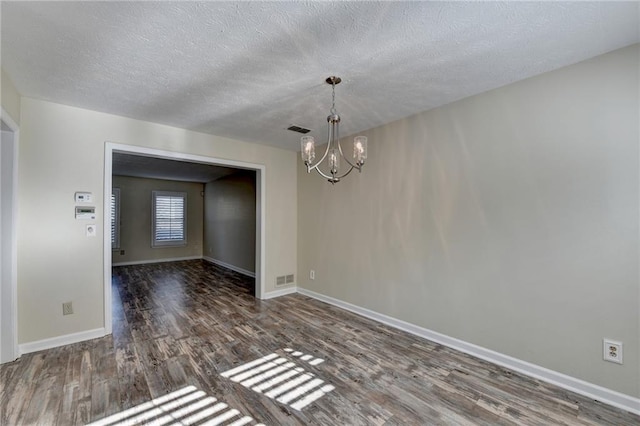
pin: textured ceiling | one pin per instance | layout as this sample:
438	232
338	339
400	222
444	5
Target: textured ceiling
248	70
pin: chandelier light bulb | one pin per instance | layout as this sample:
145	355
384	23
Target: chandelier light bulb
308	149
334	161
360	149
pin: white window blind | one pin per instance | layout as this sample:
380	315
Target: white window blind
169	218
115	218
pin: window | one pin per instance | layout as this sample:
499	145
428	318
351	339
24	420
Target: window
115	218
169	223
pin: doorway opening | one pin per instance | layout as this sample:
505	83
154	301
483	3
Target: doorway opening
155	156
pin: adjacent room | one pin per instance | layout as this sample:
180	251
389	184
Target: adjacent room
165	210
320	213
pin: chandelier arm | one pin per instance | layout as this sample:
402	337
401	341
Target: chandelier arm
326	151
321	173
346	173
345	158
337	138
332	178
315	166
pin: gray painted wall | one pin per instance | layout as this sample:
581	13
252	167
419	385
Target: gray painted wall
508	220
230	220
135	219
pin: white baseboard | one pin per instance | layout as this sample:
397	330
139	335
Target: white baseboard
54	342
229	266
278	293
590	390
145	262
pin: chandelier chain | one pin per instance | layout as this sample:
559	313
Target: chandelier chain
333	99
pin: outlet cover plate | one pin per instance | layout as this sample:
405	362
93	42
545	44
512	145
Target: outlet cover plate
612	351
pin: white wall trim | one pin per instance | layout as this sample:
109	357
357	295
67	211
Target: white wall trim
144	262
15	128
230	266
604	395
67	339
261	226
106	215
278	293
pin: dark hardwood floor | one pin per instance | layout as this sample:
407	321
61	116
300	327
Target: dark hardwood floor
190	345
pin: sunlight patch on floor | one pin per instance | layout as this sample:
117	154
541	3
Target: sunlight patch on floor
281	379
186	406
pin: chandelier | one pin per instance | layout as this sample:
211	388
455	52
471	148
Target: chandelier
333	150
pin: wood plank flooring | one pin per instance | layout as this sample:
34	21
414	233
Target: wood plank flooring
190	338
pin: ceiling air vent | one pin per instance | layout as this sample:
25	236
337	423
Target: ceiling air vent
298	129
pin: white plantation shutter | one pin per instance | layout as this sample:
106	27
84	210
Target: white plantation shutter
169	218
115	218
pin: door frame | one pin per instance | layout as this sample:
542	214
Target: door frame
111	147
12	328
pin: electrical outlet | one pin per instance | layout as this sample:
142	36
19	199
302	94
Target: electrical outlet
612	351
312	274
67	308
91	230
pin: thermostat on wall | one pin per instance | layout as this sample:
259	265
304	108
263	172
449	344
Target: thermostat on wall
86	213
84	197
